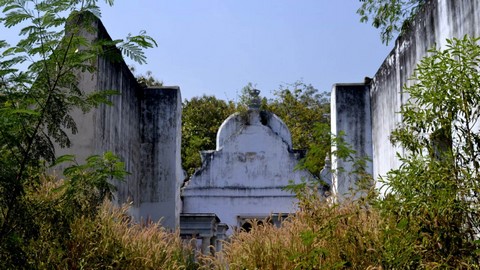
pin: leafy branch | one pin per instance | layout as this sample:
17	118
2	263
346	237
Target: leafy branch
392	17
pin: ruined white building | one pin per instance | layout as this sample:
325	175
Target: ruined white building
245	177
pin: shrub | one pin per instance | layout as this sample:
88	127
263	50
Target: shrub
320	235
113	241
108	239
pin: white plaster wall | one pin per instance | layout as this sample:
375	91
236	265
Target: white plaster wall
246	175
228	208
143	128
350	115
440	20
84	140
113	128
161	174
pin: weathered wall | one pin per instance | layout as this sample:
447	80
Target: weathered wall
437	21
160	158
246	175
350	115
440	19
142	127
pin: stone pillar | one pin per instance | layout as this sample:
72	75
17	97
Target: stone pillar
206	245
221	236
203	227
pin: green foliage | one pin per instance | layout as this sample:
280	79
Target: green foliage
356	173
133	46
429	217
434	196
201	119
108	239
41	232
87	185
300	106
318	149
304	109
390	16
38	90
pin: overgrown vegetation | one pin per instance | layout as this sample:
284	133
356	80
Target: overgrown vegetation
201	119
319	236
392	17
81	233
50	223
428	220
435	193
429	217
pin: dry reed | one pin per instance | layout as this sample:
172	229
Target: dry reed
319	236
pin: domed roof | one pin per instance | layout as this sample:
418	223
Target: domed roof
235	123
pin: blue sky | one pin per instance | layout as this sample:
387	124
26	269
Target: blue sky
216	47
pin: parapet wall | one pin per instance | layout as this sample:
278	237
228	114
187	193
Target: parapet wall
439	20
351	120
160	160
142	127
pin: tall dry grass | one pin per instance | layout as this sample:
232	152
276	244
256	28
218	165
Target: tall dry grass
109	240
113	241
320	236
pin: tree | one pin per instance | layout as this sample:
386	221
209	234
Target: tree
201	119
304	110
392	17
35	102
434	196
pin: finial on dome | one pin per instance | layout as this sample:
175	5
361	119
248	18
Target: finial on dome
255	100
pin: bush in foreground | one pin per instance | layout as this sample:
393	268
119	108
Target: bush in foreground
319	236
107	240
